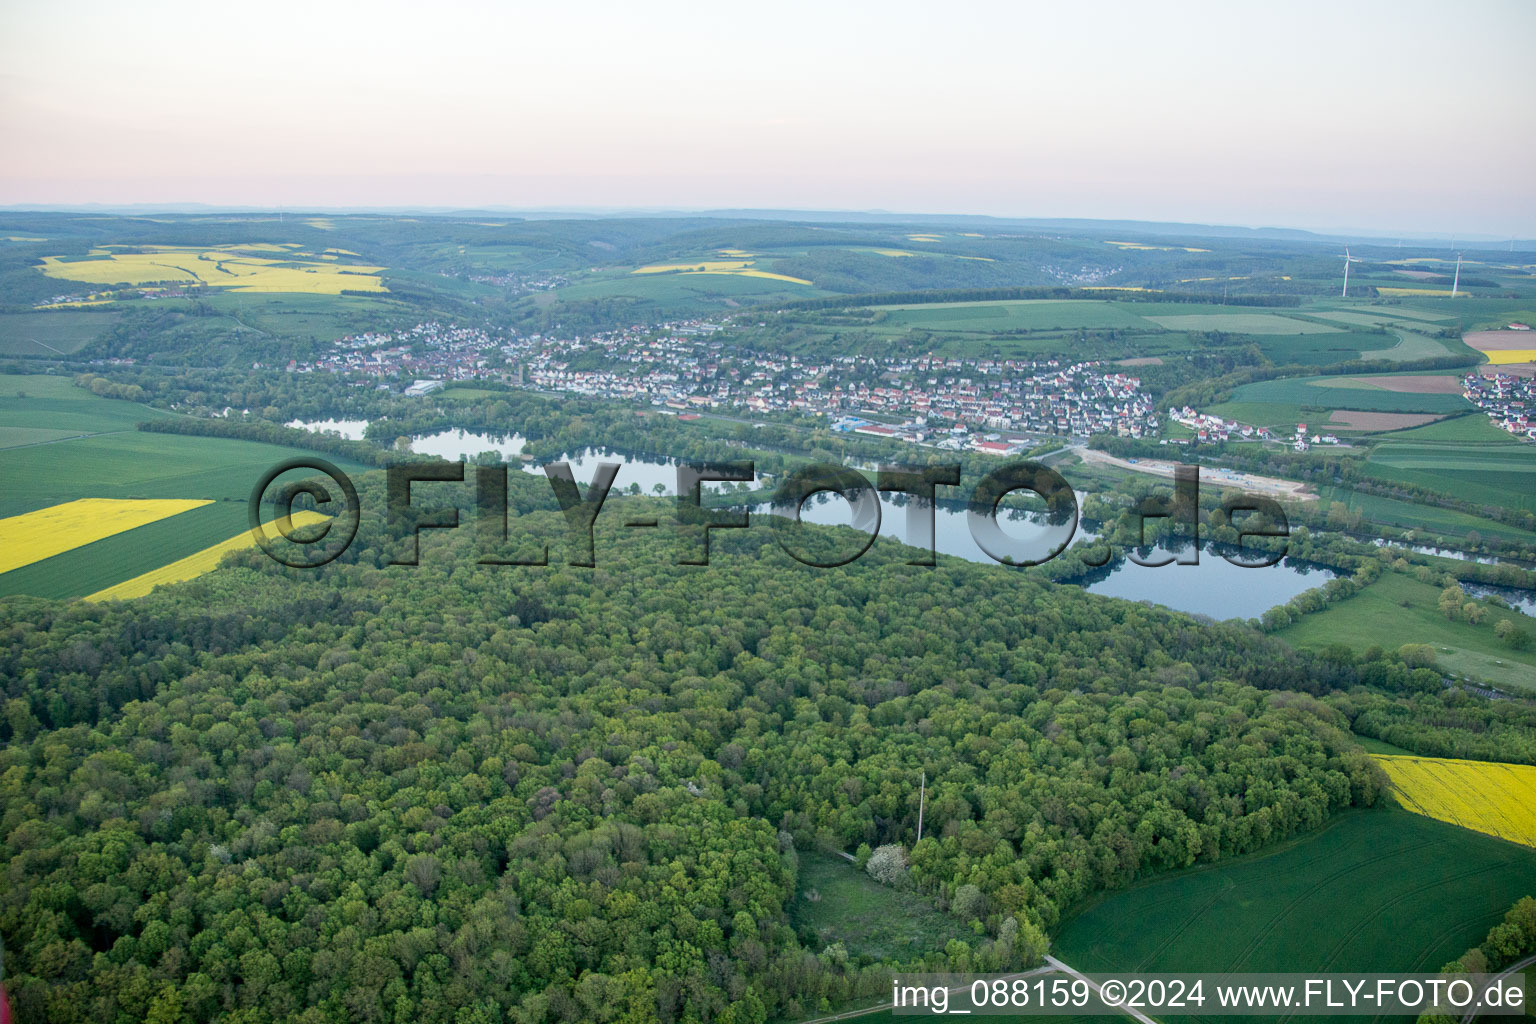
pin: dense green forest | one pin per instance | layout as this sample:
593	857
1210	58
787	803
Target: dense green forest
456	792
472	793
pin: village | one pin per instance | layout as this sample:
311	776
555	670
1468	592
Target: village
1509	401
988	405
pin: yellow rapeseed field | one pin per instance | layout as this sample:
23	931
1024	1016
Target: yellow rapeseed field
735	268
192	566
1511	355
258	267
52	531
1499	799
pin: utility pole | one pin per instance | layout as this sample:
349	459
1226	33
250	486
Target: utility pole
922	795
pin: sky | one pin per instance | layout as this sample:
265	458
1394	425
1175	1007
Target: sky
1403	116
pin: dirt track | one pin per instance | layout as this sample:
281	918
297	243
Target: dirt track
1266	485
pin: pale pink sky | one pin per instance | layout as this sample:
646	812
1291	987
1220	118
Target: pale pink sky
1402	115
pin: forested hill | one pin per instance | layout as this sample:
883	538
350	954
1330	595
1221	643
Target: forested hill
469	793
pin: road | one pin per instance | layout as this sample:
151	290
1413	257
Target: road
1511	969
1074	972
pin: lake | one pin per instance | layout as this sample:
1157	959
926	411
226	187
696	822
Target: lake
1214	587
352	430
455	445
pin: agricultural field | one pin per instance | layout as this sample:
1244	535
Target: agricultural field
105	456
189	492
1320	349
34	536
1410	345
1281	404
730	267
1473	427
1242	323
1399	609
51	334
1380	890
1498	471
684	291
193	565
36	402
1506	350
111	560
1496	799
1018	315
258	267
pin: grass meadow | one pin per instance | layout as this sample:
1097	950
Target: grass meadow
868	918
1398	609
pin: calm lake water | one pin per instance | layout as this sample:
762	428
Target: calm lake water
1214	587
455	445
646	472
352	430
1524	600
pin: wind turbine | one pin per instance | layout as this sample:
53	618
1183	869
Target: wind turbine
1348	259
1456	282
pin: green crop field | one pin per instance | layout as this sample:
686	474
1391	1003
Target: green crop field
1473	427
1318	349
98	565
1398	609
1326	392
51	333
1372	891
1409	313
717	291
1361	317
38	402
136	465
1020	315
1409	345
1319	393
1497	472
1243	323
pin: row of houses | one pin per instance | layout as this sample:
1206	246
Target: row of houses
1509	401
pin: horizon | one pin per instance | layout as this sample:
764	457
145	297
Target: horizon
1419	238
1339	120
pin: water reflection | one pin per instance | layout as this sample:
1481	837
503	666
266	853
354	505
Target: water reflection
352	430
1214	587
455	445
